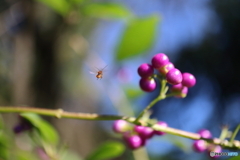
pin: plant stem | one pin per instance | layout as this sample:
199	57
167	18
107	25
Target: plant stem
140	154
161	96
226	144
224	133
234	134
59	113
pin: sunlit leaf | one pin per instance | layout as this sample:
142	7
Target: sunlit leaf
178	141
69	155
25	155
106	151
138	37
60	6
1	123
4	146
132	92
235	158
76	1
47	132
106	10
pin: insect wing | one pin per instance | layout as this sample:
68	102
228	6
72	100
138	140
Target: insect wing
92	72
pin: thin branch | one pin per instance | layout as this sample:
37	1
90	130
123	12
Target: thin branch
235	133
161	96
59	113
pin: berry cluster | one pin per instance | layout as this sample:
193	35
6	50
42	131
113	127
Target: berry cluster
202	145
180	81
136	136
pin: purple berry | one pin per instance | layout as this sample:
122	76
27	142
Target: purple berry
145	70
176	88
179	90
23	125
147	85
42	154
120	126
144	132
199	145
174	76
188	80
159	60
216	149
133	141
18	129
166	68
161	123
204	133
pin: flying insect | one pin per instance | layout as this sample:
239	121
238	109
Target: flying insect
99	73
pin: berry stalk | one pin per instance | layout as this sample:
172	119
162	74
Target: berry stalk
161	96
234	134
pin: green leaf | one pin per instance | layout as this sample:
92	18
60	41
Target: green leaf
69	155
60	6
106	10
46	131
1	123
180	142
76	1
4	146
235	158
138	37
107	150
25	155
133	92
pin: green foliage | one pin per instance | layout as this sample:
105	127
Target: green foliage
178	142
45	130
133	92
60	6
4	146
106	10
25	155
107	150
234	158
138	37
76	1
68	155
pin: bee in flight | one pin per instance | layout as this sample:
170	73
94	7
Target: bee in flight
99	72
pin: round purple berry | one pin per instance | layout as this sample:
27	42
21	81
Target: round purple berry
188	80
176	88
42	154
159	60
215	149
134	141
147	85
161	123
204	133
145	70
144	132
199	145
121	126
179	90
174	76
166	68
